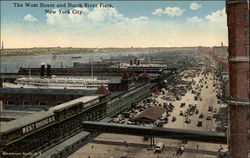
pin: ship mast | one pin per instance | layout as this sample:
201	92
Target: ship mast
92	74
29	71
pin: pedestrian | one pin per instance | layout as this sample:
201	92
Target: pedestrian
221	148
92	146
197	146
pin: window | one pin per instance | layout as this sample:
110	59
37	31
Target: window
10	102
247	50
26	103
246	15
247	34
42	103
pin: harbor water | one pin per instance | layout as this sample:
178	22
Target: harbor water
11	64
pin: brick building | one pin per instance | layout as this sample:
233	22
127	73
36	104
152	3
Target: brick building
238	101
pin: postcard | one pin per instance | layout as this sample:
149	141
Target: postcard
124	79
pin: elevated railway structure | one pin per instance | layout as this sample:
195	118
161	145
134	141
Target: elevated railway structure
127	100
180	134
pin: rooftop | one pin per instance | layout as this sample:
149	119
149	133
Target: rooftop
71	103
24	121
102	90
38	116
153	113
15	114
46	91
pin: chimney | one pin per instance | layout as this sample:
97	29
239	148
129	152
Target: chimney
119	64
42	70
48	71
135	61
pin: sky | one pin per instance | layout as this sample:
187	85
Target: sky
124	24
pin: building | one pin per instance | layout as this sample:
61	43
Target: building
238	100
35	98
152	114
144	77
102	90
38	132
125	83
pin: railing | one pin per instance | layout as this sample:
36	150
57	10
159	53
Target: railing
127	101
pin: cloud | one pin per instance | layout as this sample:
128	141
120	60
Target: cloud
158	12
77	17
217	16
195	6
29	18
55	18
109	14
170	11
194	19
175	11
112	28
97	16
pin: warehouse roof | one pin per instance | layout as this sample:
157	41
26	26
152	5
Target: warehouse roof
24	121
38	116
144	75
46	91
102	90
71	103
152	114
14	113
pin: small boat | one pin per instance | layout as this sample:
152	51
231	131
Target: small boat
76	57
54	57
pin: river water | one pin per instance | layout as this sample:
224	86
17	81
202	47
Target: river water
13	63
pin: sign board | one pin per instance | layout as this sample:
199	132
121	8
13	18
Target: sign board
38	124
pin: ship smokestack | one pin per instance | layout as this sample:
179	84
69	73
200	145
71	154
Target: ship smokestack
42	70
135	61
48	71
138	62
131	62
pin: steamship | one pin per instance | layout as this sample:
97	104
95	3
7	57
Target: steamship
90	83
52	81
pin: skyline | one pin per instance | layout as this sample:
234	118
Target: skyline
126	24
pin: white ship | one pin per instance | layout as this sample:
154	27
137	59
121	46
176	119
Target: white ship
90	83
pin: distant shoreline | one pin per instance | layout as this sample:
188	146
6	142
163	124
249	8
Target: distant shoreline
67	51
